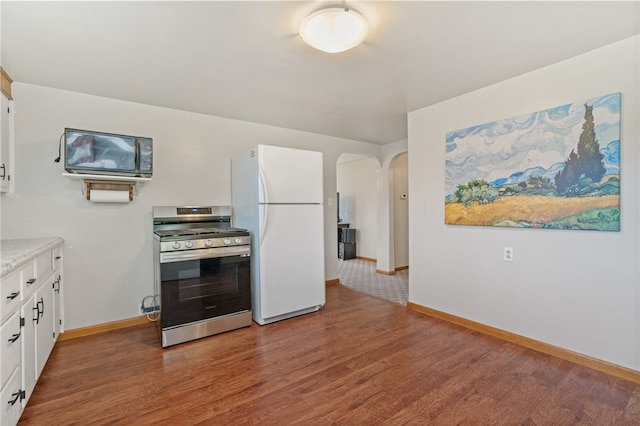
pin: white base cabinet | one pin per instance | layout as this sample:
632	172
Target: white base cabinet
28	373
11	394
31	321
44	335
57	290
10	334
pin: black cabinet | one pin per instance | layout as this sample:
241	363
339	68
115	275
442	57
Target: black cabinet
346	251
346	243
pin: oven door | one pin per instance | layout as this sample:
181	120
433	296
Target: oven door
201	287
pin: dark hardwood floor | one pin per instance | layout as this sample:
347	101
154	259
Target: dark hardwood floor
360	361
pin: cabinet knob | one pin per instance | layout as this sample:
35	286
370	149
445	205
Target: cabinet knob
13	295
4	171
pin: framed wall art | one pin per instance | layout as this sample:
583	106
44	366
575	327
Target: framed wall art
558	168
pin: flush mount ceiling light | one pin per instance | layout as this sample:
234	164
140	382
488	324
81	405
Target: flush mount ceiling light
334	29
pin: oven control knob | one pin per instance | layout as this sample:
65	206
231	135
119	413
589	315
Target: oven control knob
188	244
208	243
238	240
175	245
227	241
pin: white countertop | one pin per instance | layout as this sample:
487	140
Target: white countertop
16	253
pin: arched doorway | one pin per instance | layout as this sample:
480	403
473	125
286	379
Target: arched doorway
373	200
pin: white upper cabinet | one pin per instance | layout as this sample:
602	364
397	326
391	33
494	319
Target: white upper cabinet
6	132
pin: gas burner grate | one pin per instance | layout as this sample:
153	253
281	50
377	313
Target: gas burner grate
195	232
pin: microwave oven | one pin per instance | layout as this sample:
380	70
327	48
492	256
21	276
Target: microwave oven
98	153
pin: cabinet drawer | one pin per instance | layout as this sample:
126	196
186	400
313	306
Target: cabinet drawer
9	346
11	295
56	254
28	280
43	265
10	400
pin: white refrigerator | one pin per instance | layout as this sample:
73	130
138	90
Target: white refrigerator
277	194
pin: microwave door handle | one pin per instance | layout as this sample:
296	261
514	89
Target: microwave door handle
137	159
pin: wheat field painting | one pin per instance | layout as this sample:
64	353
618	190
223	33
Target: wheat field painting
557	168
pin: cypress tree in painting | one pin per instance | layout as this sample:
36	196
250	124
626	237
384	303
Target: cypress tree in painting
587	162
570	174
589	155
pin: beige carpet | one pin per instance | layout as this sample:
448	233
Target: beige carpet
361	275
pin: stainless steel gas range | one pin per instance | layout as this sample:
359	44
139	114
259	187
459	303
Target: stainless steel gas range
202	272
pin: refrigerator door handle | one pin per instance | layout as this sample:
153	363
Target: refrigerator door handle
265	199
265	220
263	195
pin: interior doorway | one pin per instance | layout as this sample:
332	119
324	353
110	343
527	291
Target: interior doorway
373	200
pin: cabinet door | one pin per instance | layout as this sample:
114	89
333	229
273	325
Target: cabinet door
57	316
5	116
10	335
57	290
10	401
29	312
43	300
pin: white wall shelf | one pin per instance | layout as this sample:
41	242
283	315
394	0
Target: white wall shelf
107	188
79	176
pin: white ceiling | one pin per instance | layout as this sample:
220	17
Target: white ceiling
243	60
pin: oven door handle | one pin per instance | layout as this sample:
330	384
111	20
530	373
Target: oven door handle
204	254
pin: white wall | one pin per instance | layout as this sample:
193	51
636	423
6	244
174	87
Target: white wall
108	248
357	183
364	181
401	210
575	289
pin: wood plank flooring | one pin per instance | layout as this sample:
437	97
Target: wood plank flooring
360	361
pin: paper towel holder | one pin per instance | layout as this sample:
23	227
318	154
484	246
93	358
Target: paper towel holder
99	185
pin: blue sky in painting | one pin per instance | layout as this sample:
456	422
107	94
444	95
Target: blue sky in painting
536	143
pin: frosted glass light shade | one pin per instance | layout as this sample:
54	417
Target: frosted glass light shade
334	29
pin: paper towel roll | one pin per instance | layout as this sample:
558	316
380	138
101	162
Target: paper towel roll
104	196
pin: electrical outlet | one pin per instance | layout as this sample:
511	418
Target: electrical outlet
330	201
508	254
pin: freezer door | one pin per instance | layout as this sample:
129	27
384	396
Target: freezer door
291	259
289	175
